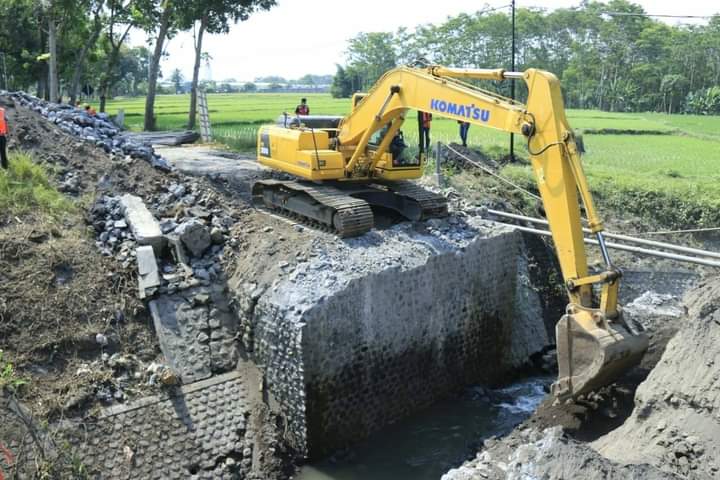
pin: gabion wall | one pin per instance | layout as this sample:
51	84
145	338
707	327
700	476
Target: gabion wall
388	344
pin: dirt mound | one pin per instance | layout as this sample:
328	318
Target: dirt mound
71	322
64	306
463	158
675	423
531	454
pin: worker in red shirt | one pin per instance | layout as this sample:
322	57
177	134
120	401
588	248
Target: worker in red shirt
3	139
303	108
424	121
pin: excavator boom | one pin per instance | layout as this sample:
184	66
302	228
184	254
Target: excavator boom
595	345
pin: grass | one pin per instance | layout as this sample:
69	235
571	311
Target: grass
674	168
8	378
25	187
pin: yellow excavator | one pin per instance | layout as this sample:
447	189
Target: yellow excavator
346	164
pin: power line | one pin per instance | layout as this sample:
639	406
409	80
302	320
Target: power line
630	14
490	10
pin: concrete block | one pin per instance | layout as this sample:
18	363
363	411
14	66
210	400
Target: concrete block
178	249
142	223
148	275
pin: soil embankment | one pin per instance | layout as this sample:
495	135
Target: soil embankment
97	397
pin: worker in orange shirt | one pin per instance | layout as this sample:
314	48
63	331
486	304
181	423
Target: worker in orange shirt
3	139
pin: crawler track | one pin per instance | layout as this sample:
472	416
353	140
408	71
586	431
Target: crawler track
345	209
326	206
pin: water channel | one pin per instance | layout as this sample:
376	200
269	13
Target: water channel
425	446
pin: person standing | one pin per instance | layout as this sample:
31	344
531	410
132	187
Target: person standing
303	108
424	122
464	127
3	140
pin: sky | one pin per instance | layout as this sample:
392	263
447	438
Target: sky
309	36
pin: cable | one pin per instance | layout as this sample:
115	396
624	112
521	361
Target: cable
532	134
630	14
493	174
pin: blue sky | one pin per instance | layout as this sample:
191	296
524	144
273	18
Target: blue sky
309	36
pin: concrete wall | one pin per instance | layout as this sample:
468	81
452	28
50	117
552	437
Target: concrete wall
380	345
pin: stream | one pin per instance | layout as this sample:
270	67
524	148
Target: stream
425	446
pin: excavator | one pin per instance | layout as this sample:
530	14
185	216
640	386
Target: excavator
347	164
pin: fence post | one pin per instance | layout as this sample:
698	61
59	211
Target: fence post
438	171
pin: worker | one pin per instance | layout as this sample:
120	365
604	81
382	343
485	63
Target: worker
464	127
303	108
424	121
3	140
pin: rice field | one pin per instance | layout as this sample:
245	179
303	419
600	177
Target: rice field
676	156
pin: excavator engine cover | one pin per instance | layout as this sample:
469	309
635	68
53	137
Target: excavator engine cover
593	351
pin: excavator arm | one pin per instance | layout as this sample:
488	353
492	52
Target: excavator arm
595	345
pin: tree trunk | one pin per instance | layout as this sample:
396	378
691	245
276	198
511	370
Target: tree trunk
80	60
154	68
52	62
196	74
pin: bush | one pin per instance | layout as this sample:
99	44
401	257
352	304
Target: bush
704	102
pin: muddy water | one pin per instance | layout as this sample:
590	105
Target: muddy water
429	444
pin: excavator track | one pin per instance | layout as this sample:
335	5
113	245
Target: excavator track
324	206
431	204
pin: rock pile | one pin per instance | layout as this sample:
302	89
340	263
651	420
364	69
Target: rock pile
97	129
184	279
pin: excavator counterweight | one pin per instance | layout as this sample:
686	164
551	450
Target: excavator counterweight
346	164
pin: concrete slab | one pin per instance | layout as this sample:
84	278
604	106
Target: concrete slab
148	275
204	160
142	223
241	169
188	434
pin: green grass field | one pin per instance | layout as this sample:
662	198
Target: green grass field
677	165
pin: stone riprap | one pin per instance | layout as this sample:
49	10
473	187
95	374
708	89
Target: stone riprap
360	333
196	331
198	432
96	129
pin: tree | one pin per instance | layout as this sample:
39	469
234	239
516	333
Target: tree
213	16
123	15
177	79
94	9
341	85
371	55
22	38
159	16
249	87
57	14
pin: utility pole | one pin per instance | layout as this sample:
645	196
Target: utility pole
512	81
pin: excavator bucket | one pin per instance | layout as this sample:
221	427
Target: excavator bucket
592	354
